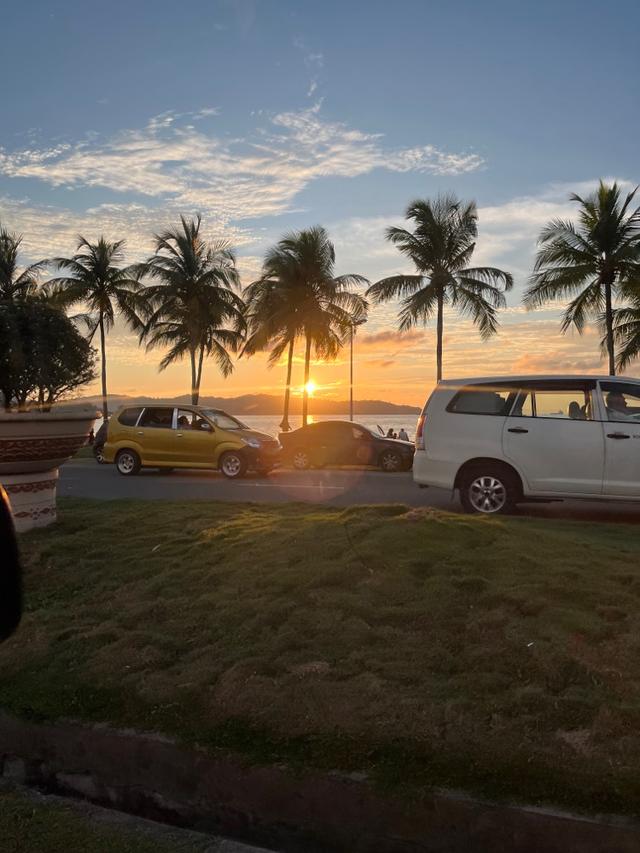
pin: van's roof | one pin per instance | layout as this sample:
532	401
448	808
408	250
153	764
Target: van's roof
547	377
168	404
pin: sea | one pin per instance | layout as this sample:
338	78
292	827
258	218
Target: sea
270	424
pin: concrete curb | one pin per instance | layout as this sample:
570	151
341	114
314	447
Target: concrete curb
161	833
153	777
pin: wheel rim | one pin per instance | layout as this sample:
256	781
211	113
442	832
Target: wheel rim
300	459
390	462
99	456
231	465
126	463
487	494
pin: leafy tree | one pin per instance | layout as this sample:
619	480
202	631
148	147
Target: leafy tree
191	305
42	354
96	279
440	247
14	284
298	295
595	260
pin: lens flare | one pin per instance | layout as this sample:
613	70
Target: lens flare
310	387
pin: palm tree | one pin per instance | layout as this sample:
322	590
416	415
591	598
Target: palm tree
594	260
16	285
298	295
626	327
97	280
272	323
192	307
440	248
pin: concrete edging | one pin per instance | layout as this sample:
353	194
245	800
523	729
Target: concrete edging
152	776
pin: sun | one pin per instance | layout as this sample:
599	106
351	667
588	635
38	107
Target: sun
310	387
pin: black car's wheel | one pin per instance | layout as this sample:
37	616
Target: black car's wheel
489	490
233	464
390	461
300	459
128	462
98	453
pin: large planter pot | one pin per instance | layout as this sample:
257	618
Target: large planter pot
32	447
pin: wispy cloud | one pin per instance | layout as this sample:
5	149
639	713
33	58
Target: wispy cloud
172	161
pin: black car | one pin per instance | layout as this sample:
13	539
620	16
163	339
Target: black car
344	443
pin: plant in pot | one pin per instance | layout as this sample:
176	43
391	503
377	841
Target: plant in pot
43	357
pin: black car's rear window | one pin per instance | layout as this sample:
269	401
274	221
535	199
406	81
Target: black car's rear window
129	417
481	400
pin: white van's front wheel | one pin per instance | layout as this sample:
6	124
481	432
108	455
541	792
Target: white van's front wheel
488	491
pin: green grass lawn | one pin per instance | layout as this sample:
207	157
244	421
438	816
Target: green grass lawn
31	824
500	656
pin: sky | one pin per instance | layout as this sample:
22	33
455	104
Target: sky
268	116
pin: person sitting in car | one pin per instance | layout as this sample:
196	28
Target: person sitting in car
617	409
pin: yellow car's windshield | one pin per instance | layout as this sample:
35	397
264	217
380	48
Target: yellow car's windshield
223	420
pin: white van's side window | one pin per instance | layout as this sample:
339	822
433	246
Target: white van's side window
622	401
554	403
480	400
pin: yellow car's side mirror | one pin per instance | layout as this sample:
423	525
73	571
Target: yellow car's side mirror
10	572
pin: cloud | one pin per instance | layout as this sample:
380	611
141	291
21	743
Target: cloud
558	361
173	162
392	337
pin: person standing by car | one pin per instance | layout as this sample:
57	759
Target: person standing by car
99	441
403	435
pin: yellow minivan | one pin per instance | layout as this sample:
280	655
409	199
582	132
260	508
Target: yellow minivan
166	436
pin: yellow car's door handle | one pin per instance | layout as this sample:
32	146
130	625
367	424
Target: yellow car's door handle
178	435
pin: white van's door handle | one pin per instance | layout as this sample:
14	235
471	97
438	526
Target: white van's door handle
618	435
517	429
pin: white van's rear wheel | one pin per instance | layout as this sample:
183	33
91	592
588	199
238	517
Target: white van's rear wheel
488	491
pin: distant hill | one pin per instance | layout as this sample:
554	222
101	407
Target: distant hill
264	404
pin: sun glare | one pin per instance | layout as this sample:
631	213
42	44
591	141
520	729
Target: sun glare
310	387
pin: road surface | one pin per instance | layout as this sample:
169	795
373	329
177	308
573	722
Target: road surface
84	478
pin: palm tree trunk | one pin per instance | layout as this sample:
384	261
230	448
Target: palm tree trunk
199	375
194	396
284	424
305	393
439	337
103	349
608	316
351	375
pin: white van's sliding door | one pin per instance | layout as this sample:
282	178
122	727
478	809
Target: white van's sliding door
621	429
552	439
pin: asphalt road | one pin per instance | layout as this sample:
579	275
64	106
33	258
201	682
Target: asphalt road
84	478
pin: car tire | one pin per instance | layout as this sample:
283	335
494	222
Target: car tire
490	490
301	460
233	464
390	461
128	462
98	454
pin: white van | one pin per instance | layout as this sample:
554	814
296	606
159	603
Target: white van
504	440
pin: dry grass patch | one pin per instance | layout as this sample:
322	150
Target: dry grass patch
496	655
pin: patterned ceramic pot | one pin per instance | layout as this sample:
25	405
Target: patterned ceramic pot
32	446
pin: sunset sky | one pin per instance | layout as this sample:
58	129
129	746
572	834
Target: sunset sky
276	115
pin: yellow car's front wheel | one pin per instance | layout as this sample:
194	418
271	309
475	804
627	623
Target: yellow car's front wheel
233	464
